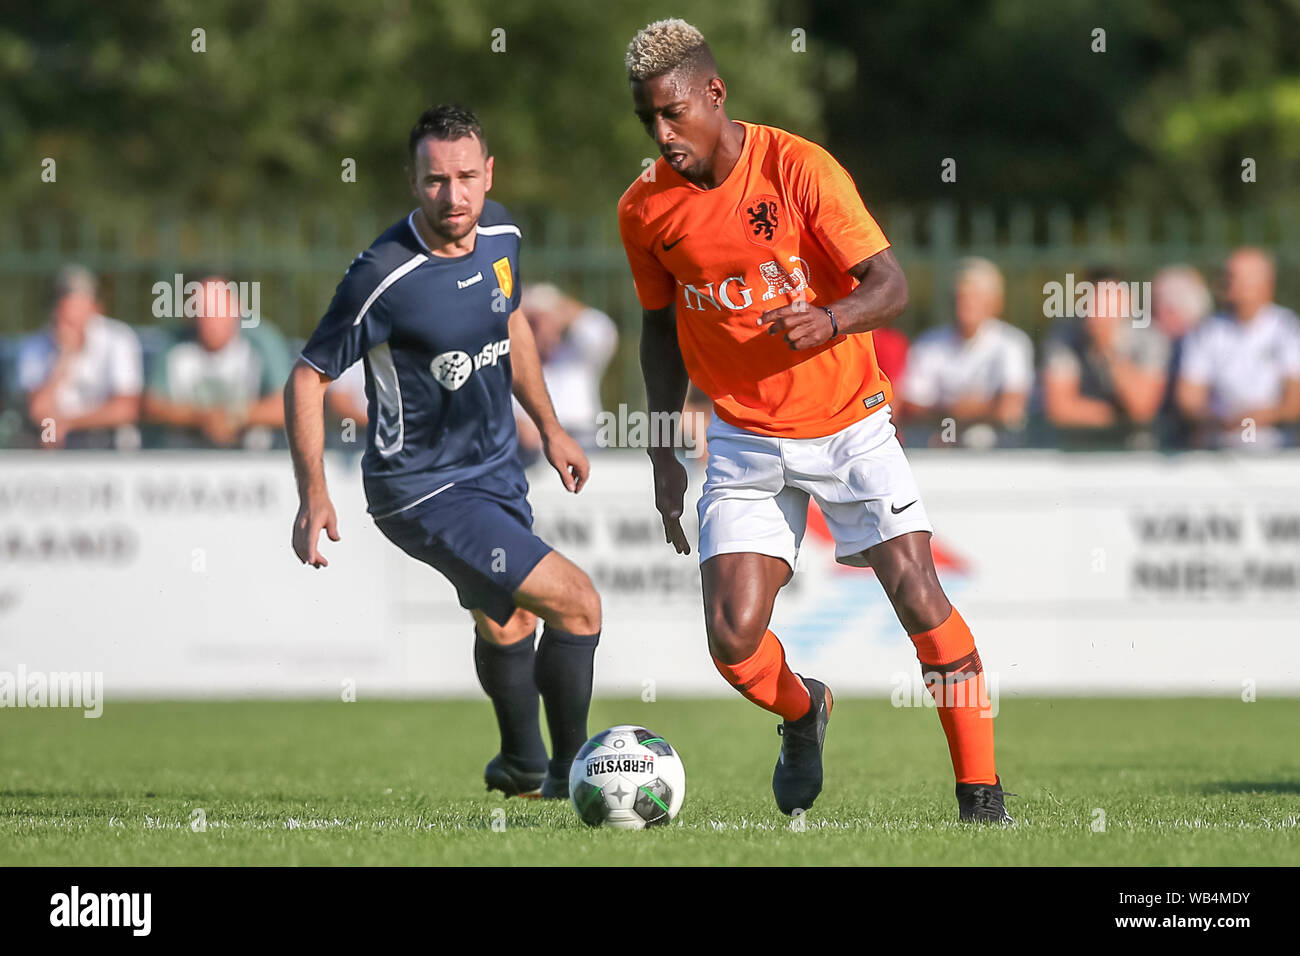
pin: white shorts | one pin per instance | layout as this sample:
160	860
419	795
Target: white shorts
756	490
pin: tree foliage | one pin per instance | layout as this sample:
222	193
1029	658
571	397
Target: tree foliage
284	93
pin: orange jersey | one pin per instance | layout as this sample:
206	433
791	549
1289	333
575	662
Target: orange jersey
786	223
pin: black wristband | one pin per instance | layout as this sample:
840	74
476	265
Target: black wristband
835	326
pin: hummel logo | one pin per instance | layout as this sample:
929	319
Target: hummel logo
668	245
899	511
466	283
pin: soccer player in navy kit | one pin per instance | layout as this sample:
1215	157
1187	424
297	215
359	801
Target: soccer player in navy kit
432	308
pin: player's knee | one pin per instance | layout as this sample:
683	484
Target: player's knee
735	630
520	626
584	614
917	596
908	579
491	632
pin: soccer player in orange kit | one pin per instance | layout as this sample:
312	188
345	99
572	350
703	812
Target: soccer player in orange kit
761	275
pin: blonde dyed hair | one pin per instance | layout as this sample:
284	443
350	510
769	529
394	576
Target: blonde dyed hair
662	47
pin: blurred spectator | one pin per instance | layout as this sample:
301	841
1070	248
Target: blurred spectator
575	343
346	395
221	385
1244	362
1103	378
891	345
978	370
82	373
891	354
346	399
1181	301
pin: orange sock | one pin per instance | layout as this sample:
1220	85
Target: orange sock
765	678
955	678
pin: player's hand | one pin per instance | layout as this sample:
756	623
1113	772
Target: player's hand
566	457
801	325
314	515
670	493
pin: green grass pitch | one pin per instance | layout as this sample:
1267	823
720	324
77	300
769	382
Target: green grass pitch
1180	781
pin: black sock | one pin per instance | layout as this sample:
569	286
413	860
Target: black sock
563	675
506	674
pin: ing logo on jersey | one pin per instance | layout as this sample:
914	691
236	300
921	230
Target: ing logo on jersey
452	369
780	282
734	294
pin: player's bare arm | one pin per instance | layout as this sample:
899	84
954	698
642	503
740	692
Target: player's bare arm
881	296
666	382
565	455
304	420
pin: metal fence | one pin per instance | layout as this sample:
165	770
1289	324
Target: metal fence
298	257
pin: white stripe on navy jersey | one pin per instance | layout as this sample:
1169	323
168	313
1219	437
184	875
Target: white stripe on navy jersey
388	399
313	364
498	230
410	221
403	269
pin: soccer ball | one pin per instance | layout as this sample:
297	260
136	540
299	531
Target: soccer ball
627	777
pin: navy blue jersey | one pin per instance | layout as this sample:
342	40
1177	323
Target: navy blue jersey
434	335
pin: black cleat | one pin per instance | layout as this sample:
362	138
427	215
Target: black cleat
797	779
555	788
983	803
503	774
556	785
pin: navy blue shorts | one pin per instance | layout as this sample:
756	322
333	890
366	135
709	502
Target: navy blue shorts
479	534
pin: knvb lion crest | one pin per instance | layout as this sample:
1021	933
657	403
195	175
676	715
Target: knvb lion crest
762	218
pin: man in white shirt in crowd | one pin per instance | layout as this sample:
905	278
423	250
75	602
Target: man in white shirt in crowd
81	375
1240	374
576	343
221	386
976	371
